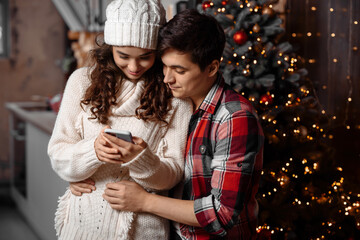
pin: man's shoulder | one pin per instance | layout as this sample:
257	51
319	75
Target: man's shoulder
234	103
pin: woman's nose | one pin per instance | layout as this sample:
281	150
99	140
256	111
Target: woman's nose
133	65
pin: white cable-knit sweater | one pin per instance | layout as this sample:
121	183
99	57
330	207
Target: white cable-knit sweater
159	167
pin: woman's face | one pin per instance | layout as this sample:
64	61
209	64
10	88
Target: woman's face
133	61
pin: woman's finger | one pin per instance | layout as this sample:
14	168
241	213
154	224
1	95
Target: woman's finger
113	157
116	142
107	148
111	161
139	141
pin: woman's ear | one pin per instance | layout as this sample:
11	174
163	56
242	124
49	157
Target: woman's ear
214	67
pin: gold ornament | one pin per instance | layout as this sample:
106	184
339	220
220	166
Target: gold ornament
256	28
268	11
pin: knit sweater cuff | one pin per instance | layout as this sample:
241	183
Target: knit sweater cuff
85	164
143	165
90	155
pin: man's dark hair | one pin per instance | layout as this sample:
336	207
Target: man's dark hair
195	33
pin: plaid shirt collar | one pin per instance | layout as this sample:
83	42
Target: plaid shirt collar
213	96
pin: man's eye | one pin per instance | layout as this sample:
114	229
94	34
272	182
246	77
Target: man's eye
180	72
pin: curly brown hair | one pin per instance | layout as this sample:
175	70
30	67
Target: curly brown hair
106	80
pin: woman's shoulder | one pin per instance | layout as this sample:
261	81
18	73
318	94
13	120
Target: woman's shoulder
79	78
184	104
80	74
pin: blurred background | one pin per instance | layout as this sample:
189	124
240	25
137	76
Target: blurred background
296	60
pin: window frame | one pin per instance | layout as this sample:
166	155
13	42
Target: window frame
5	26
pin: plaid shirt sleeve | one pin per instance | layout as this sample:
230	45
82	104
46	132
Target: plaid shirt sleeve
237	144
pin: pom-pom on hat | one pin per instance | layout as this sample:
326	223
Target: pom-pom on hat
134	23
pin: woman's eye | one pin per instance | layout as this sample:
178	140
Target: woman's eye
123	56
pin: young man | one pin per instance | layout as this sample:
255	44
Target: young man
224	147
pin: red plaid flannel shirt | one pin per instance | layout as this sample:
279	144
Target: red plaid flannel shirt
224	157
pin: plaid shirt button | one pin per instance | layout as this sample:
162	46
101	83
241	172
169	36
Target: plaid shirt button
202	149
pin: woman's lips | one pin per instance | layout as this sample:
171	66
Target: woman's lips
134	73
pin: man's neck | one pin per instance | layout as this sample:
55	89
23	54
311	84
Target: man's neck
197	101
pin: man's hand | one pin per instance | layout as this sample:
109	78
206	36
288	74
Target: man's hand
130	196
126	196
86	186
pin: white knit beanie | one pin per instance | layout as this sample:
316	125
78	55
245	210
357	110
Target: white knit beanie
134	23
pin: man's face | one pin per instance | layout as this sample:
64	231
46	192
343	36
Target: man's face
184	78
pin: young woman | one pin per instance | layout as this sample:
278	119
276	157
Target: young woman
122	89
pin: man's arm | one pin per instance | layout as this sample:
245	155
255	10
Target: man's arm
129	196
236	167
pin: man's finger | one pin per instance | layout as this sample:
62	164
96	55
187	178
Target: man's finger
76	193
111	200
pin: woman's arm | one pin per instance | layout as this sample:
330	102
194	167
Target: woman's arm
163	170
72	157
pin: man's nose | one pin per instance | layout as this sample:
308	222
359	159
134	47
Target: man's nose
168	77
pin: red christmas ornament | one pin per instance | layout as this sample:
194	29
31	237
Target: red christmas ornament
223	3
266	99
206	5
240	37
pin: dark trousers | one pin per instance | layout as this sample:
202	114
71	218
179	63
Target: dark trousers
173	234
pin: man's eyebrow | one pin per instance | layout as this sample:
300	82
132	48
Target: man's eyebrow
177	66
142	55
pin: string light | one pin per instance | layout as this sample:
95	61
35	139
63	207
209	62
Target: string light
310	165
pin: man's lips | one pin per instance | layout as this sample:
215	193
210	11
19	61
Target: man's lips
173	87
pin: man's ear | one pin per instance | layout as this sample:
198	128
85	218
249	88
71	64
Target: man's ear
214	67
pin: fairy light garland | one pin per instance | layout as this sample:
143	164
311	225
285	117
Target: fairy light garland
290	171
349	63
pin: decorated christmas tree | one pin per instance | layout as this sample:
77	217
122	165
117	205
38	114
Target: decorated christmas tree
303	193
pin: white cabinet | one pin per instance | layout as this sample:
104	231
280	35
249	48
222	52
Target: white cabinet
42	185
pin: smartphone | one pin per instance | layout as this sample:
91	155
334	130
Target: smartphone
122	134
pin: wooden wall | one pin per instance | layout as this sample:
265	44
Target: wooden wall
37	42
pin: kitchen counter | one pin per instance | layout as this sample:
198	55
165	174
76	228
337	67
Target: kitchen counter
35	113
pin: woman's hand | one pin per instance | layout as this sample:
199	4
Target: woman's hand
105	151
111	149
86	186
125	196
